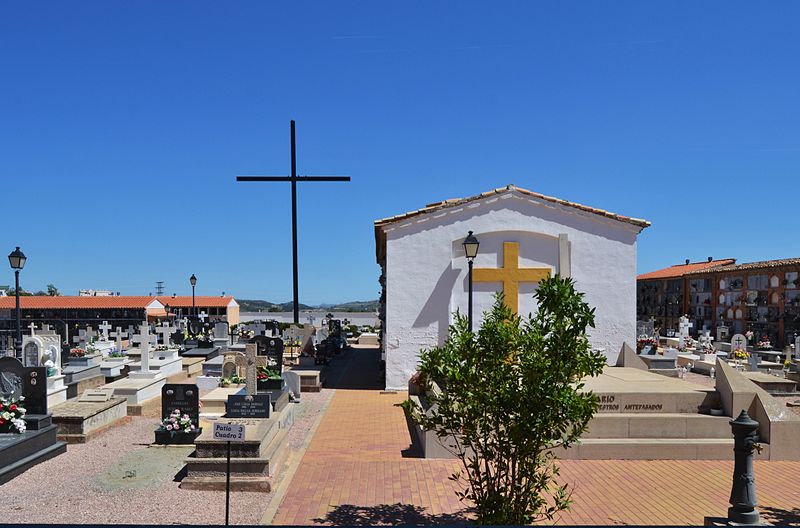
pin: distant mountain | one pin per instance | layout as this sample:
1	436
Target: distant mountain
255	305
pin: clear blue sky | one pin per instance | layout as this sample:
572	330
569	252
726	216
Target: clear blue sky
124	124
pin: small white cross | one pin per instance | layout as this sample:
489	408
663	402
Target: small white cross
166	331
32	326
202	316
104	328
90	333
119	335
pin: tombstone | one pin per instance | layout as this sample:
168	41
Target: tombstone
31	353
258	329
221	331
90	334
118	336
248	406
683	330
722	332
234	364
292	379
47	330
181	396
31	382
753	362
272	347
144	339
738	342
81	339
272	328
165	330
104	328
251	376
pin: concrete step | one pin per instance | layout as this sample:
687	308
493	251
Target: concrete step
653	449
658	425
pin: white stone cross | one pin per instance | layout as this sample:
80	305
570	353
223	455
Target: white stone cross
202	316
119	335
104	328
145	339
90	333
80	339
166	330
32	326
683	330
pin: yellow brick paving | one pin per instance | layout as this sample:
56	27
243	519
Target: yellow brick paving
359	469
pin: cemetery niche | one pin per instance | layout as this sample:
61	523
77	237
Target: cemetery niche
180	414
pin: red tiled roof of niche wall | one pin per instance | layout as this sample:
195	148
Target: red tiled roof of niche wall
679	270
67	302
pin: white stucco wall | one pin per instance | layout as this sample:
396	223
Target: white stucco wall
426	271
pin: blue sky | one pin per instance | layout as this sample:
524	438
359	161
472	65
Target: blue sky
124	124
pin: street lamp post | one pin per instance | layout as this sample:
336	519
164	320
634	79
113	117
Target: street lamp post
471	245
17	260
193	280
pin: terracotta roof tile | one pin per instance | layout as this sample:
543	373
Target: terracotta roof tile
46	302
679	270
763	264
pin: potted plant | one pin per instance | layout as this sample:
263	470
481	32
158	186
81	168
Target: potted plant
177	428
268	377
12	415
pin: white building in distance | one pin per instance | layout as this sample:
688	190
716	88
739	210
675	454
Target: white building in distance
523	237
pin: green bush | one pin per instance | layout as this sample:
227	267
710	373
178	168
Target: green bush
511	395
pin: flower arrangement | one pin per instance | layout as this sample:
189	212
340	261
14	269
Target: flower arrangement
749	335
764	344
11	415
117	354
645	341
90	349
77	352
264	372
203	337
233	380
177	422
741	354
688	343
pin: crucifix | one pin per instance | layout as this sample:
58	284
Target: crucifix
510	275
294	178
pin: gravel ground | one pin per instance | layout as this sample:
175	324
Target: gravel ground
117	478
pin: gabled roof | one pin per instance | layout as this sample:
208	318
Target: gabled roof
380	239
679	270
512	188
185	301
763	264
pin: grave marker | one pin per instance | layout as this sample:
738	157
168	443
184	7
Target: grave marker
181	396
31	382
104	328
144	339
119	335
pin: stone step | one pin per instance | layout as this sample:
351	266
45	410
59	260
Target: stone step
658	425
654	449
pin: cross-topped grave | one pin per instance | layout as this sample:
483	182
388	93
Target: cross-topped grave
32	326
293	178
738	342
165	330
510	275
104	328
81	339
118	336
683	330
144	339
90	334
202	316
251	377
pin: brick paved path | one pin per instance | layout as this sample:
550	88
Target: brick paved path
359	469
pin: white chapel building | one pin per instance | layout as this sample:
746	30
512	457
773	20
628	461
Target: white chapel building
523	236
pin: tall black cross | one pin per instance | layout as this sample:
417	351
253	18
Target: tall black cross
294	178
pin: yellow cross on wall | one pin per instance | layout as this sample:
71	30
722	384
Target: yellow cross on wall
510	275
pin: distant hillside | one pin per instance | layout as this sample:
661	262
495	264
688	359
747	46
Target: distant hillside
255	305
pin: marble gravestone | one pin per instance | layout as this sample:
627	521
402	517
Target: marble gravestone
181	396
272	347
31	382
221	331
738	342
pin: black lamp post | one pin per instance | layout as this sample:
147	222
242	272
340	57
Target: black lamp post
471	251
193	280
17	260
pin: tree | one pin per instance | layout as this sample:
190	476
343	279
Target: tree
505	399
52	291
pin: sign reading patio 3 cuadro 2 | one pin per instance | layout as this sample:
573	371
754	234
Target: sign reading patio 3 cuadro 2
228	432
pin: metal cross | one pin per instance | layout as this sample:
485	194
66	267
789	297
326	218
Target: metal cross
294	178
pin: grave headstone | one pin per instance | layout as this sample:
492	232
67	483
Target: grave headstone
165	330
104	328
738	342
258	329
293	383
251	375
248	406
221	330
181	396
31	353
272	347
753	362
81	339
31	382
144	339
118	336
90	334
